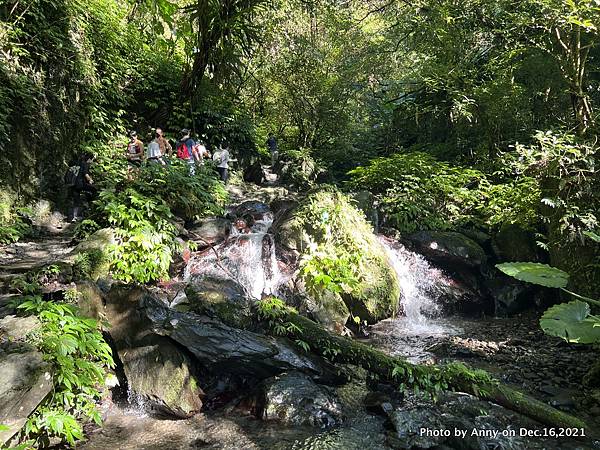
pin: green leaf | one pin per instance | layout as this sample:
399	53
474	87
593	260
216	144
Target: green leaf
536	273
572	322
593	236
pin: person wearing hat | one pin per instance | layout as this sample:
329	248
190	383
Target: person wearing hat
135	150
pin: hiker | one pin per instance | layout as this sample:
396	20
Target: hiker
222	159
135	150
165	146
154	154
185	150
81	183
272	146
201	152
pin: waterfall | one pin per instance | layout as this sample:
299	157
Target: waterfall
247	258
419	285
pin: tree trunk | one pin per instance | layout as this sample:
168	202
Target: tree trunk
404	374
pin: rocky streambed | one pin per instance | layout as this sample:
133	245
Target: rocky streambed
197	371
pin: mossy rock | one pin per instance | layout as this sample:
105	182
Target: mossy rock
327	218
328	308
160	373
223	299
90	257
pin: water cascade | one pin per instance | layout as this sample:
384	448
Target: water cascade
246	258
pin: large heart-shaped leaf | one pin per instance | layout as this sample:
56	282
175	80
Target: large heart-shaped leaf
572	322
536	273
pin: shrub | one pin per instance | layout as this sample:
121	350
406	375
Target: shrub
12	225
418	192
80	357
144	232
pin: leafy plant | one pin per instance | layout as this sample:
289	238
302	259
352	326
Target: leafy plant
536	273
571	321
80	357
12	225
144	233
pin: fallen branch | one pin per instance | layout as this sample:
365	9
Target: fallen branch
455	377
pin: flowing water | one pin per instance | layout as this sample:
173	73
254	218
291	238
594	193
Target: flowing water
247	258
421	315
250	260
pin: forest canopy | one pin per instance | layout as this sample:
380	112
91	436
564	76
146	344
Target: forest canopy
488	106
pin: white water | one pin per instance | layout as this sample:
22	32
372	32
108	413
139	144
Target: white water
247	258
419	284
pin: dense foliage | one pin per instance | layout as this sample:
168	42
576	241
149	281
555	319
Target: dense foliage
141	207
13	225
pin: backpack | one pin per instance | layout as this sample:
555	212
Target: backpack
71	176
182	151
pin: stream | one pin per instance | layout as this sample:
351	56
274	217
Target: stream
514	349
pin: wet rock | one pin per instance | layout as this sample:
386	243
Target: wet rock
246	259
25	381
448	248
210	231
224	299
510	296
294	399
156	369
378	403
253	208
512	243
159	372
223	348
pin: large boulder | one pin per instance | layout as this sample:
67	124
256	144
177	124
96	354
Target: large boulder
156	369
327	227
448	249
294	399
224	299
210	231
25	378
225	349
159	372
25	381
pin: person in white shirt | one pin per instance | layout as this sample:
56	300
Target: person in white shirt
222	159
153	152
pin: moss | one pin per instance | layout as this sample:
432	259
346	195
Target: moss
358	265
220	299
456	377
